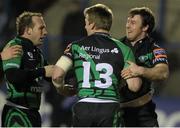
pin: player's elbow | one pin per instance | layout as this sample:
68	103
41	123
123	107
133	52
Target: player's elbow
166	75
161	72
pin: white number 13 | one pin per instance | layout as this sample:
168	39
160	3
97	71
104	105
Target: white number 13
99	67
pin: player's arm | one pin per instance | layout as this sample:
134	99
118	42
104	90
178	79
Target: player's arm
159	72
10	52
20	76
49	70
134	83
62	66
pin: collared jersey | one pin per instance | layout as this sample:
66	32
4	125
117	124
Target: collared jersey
27	93
147	53
98	60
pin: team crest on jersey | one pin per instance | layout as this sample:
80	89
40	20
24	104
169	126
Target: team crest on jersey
143	59
30	54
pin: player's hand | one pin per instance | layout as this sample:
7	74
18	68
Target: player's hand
67	90
11	52
132	71
49	70
57	73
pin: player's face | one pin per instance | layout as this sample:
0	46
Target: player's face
38	32
134	29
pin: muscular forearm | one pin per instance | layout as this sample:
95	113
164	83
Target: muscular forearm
19	76
63	65
159	72
134	84
60	70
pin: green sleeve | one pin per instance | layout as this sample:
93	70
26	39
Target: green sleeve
128	56
13	62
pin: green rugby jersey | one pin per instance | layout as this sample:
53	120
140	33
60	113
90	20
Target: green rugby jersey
98	60
26	91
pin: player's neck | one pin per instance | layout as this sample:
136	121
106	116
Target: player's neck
101	31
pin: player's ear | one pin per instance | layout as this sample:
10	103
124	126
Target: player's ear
28	30
145	29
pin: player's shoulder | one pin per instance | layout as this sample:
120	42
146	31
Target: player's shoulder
120	43
78	41
15	41
155	44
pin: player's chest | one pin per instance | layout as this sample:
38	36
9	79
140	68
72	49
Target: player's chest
31	58
143	55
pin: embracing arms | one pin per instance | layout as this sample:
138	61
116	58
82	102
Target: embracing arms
18	76
62	66
158	72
